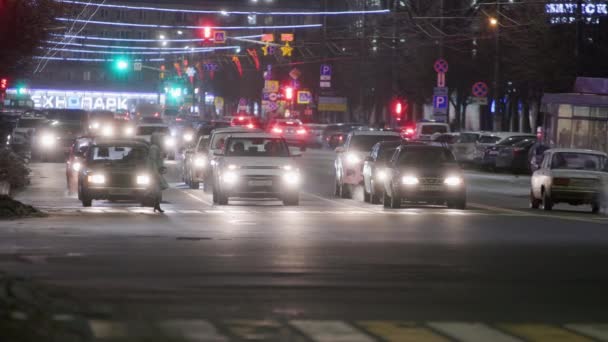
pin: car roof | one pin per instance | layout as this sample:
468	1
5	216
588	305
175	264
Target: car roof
152	125
376	133
261	135
235	130
506	134
576	150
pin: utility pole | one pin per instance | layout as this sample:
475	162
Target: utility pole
394	63
496	84
579	37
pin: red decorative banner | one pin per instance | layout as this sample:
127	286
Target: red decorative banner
237	62
256	59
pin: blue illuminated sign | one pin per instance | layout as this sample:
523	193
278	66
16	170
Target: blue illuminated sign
565	12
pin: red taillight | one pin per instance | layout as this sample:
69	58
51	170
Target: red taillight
251	126
277	130
301	131
156	114
241	118
340	138
561	181
409	131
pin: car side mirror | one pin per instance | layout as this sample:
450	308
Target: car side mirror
162	170
340	149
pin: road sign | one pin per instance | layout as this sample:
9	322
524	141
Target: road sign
441	79
480	89
219	37
325	84
326	70
271	86
137	66
440	102
295	73
272	106
440	91
304	97
482	101
273	97
441	66
325	78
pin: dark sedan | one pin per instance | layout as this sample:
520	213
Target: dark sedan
488	160
515	158
427	174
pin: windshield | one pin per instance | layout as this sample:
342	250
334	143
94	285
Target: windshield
579	161
488	139
467	138
257	147
30	123
513	140
385	154
425	157
366	142
432	129
65	115
118	154
152	130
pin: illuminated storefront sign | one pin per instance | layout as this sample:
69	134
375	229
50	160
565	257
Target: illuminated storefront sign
565	12
87	100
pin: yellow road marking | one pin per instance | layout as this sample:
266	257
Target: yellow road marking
395	331
542	332
257	330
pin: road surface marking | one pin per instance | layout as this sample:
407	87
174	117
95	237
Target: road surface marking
597	331
107	329
542	332
532	214
401	331
190	211
258	330
330	331
193	330
471	332
197	198
336	202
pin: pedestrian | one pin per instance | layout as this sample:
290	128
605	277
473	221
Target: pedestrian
155	164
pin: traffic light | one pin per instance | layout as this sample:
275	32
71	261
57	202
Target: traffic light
207	34
289	93
3	84
121	64
398	108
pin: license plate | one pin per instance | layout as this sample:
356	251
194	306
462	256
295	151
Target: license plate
493	153
120	191
290	131
431	188
260	183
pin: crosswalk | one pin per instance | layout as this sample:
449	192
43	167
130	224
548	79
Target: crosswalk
349	331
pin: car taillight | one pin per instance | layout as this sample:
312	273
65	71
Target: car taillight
409	131
518	150
241	118
301	131
561	181
340	138
251	126
277	130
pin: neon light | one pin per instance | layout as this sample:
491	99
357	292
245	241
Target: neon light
69	59
224	12
117	47
147	40
182	51
111	23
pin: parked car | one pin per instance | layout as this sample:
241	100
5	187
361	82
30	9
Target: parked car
256	164
424	174
350	157
514	158
572	176
489	157
465	147
425	130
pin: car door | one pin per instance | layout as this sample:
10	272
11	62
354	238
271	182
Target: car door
368	168
392	171
540	176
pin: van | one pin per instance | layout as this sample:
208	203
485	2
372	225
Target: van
424	130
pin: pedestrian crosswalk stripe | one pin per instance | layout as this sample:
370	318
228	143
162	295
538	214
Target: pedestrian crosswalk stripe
597	331
193	330
542	332
401	331
330	331
471	332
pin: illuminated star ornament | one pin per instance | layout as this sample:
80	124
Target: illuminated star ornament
287	50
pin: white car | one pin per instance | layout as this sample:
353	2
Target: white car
425	130
256	165
350	157
465	147
570	176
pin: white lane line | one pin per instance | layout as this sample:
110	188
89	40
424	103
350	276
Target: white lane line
330	331
597	331
107	329
531	214
197	198
193	330
471	332
338	203
189	211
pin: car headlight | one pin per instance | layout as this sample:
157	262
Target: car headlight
292	178
94	126
48	140
410	180
188	137
352	158
76	166
107	131
232	167
200	162
288	167
381	175
97	179
169	142
230	177
129	131
143	180
453	181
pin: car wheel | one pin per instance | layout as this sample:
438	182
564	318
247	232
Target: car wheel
395	201
222	199
386	200
367	197
345	191
86	200
534	203
547	202
291	199
595	207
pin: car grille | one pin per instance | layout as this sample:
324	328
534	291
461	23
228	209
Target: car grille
260	167
583	183
431	181
121	181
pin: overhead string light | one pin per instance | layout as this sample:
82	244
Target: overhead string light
182	51
224	12
148	40
70	59
123	47
112	23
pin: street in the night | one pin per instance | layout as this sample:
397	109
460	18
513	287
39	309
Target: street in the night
307	171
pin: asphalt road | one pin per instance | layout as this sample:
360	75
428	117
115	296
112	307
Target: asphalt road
328	270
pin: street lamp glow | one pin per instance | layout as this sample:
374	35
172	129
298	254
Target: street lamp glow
180	32
493	21
122	65
162	36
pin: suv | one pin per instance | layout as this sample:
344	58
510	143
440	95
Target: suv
291	129
117	169
256	164
349	161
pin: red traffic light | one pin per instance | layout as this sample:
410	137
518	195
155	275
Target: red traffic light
4	83
289	93
398	108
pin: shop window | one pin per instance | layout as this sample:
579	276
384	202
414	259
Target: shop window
564	133
564	111
580	111
580	136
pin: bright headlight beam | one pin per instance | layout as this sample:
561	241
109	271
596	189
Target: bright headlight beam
230	177
410	180
453	181
97	179
352	158
143	180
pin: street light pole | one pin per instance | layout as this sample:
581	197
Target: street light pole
496	85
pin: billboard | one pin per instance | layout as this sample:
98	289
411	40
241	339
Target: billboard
88	100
